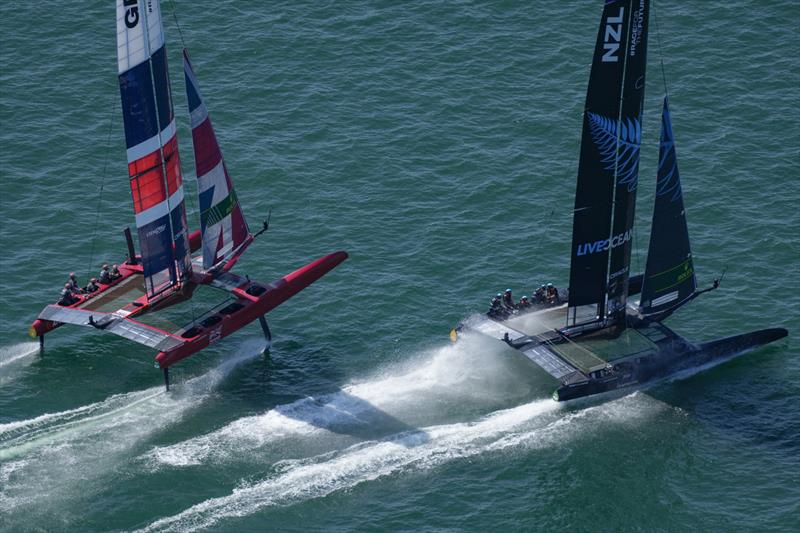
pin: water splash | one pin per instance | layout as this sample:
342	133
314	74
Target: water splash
474	371
538	424
54	452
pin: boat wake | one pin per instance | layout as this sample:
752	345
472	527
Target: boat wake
14	357
56	451
535	425
453	378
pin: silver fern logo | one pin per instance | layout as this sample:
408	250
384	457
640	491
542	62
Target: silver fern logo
618	146
668	181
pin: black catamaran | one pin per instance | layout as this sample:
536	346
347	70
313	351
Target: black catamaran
599	341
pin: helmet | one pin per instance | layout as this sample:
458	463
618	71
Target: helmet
524	298
549	285
508	290
94	280
72	274
499	295
542	286
67	285
105	266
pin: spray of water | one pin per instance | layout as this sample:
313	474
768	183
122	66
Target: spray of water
476	371
14	357
538	424
55	452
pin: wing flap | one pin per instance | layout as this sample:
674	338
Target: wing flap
548	361
123	327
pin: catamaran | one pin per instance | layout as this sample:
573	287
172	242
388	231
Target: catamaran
600	340
165	273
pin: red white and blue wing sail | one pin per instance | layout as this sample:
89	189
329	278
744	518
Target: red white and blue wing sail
224	229
152	146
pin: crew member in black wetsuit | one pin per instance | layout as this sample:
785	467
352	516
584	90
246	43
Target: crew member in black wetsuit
508	300
496	307
539	296
523	303
552	295
67	297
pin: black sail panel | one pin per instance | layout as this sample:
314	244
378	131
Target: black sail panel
593	196
669	275
627	160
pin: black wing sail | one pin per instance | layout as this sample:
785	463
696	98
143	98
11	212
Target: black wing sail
669	275
609	160
594	192
626	164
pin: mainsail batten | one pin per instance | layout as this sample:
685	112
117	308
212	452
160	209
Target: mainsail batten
669	278
222	224
153	160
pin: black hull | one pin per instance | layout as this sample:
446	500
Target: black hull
674	356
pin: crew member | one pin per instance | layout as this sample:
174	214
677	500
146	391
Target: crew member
496	307
105	275
115	273
67	297
92	286
508	300
552	295
540	295
72	283
523	303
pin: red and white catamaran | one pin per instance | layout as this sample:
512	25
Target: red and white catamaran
165	273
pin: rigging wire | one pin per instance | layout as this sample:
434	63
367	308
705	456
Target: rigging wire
102	185
183	45
177	24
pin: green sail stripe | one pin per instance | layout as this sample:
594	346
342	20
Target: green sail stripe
219	211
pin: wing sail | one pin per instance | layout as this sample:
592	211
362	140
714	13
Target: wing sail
222	223
152	146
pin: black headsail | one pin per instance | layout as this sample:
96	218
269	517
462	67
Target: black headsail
669	275
609	159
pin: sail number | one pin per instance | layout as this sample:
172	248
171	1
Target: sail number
612	37
132	13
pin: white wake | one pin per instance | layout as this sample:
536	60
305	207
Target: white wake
57	451
447	377
533	425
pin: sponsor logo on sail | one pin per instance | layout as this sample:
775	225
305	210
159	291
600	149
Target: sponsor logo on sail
637	28
132	13
158	230
612	37
588	248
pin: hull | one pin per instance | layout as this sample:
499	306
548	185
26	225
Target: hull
674	356
253	301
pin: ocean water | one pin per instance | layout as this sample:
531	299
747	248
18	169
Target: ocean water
437	143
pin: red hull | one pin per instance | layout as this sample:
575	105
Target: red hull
255	299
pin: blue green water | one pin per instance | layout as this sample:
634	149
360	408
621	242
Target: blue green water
437	143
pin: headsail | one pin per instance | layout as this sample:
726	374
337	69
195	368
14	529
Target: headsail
222	223
609	160
152	146
669	275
